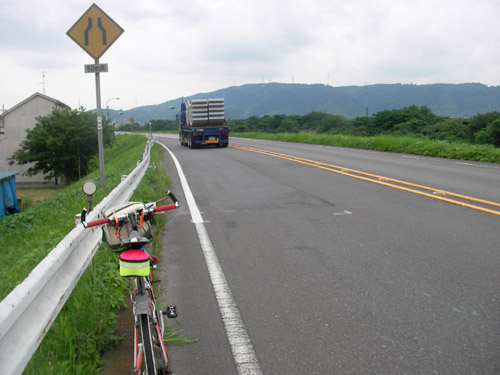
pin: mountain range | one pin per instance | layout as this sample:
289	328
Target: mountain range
448	100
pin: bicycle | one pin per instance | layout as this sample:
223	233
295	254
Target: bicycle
150	354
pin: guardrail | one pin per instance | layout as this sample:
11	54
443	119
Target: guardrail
27	313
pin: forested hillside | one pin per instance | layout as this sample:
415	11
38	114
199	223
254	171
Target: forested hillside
447	100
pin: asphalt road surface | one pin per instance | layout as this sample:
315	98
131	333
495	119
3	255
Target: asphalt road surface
331	271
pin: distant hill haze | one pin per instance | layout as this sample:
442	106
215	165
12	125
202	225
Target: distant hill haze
453	100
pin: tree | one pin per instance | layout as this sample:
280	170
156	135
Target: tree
412	126
449	129
62	144
386	121
157	125
480	122
332	124
361	126
240	128
288	125
493	133
275	122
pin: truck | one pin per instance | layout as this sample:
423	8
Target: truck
202	123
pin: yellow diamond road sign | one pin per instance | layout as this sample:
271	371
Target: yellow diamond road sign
95	31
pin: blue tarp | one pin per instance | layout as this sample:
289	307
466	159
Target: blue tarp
8	199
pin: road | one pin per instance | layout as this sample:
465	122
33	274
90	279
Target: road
332	273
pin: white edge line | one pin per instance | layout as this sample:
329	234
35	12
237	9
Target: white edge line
244	355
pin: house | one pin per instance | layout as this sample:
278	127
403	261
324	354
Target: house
13	126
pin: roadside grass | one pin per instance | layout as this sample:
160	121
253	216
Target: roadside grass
32	196
28	236
402	144
85	326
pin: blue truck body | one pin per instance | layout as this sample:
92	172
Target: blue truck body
202	123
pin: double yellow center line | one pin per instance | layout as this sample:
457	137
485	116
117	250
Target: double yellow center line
446	196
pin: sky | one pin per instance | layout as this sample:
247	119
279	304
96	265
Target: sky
175	48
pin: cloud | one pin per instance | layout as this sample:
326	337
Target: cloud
181	47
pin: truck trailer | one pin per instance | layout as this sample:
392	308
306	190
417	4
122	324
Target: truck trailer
202	123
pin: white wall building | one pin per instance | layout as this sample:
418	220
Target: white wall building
13	126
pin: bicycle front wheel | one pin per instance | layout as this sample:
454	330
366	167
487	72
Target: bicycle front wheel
154	354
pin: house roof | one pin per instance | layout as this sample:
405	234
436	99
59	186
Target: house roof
5	175
55	101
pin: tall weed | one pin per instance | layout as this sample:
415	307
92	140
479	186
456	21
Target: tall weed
27	237
85	326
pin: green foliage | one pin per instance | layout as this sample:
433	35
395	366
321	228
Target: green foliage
493	133
156	126
288	125
413	116
240	128
332	124
40	228
85	326
174	336
480	122
61	144
451	129
26	202
408	121
159	125
314	119
402	144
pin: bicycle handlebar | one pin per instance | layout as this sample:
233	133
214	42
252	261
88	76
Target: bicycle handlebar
167	207
148	213
95	223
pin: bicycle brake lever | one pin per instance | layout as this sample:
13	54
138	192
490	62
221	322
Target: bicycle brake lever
83	215
172	196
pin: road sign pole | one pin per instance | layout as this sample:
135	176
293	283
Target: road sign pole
99	128
95	32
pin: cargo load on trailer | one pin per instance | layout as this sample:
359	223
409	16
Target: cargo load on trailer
202	123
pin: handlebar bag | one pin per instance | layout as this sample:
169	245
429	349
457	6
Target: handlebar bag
112	235
134	262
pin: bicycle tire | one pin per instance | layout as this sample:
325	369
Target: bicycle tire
159	350
147	344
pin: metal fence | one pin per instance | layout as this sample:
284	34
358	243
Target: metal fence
27	313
